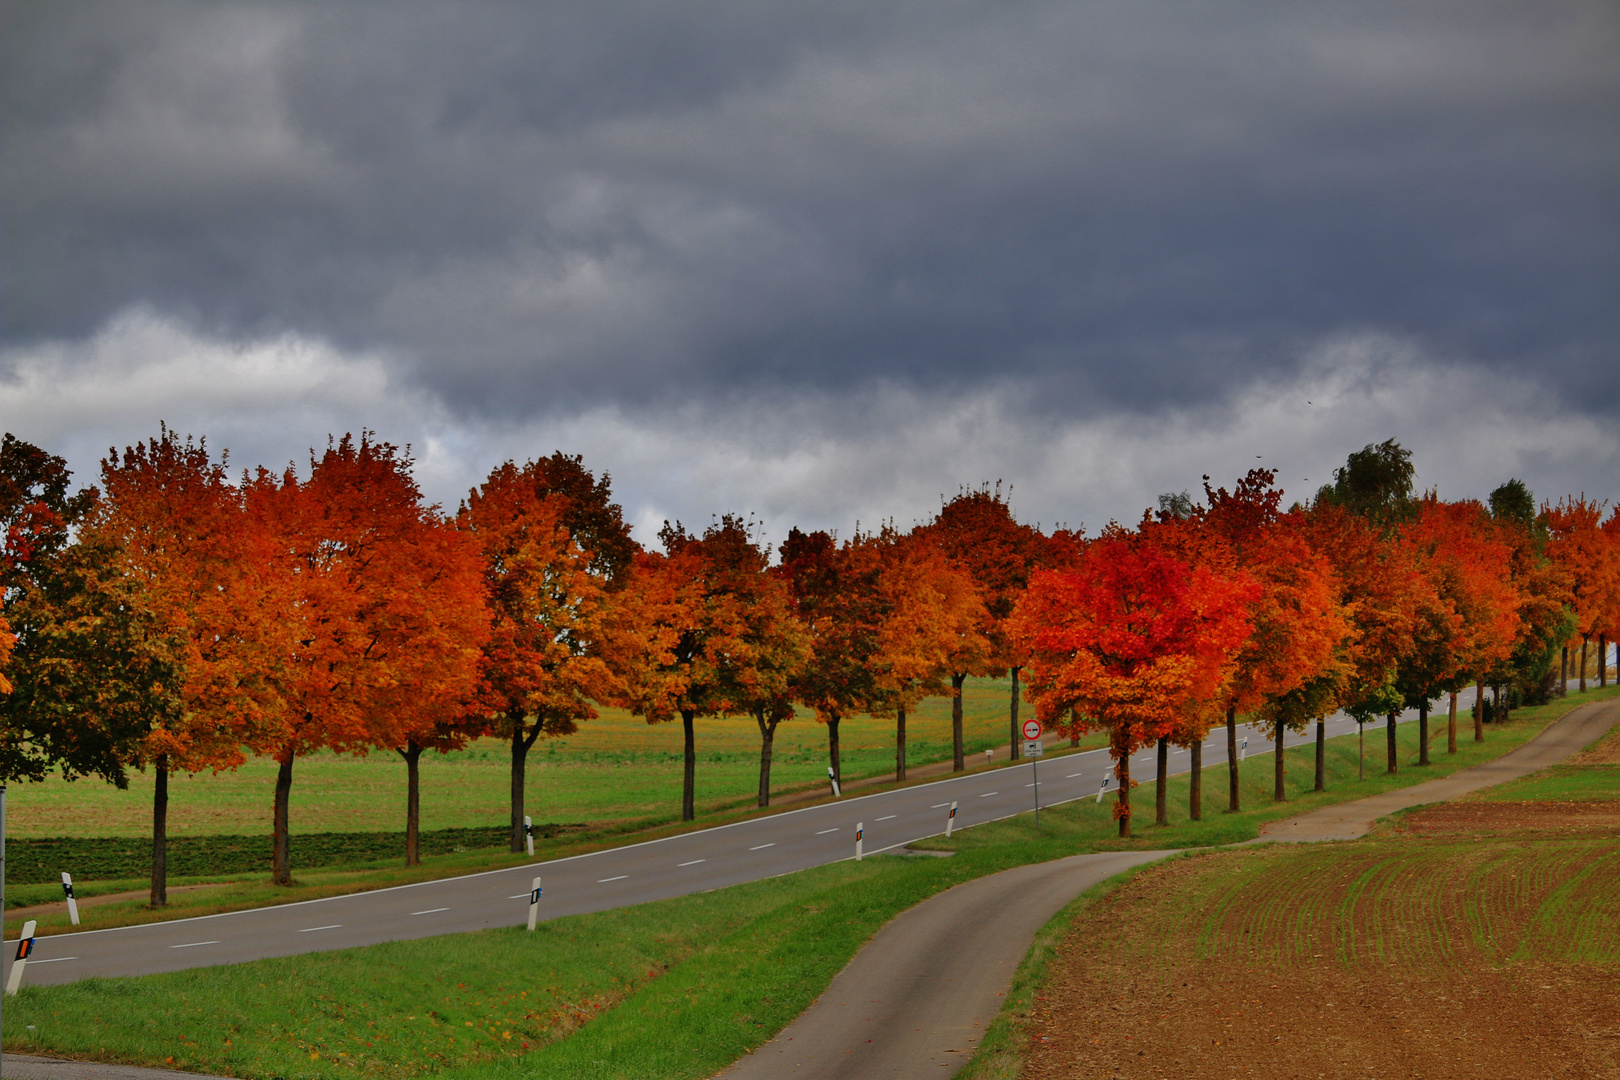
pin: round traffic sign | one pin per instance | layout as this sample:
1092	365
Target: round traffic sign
1032	729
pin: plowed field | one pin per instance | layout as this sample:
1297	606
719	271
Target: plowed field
1470	956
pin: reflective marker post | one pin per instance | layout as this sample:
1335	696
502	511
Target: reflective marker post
1106	777
833	780
534	903
73	903
25	946
1243	751
950	821
528	834
860	831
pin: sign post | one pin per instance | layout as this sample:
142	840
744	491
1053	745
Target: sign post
950	821
25	946
73	902
534	903
528	834
860	833
1032	750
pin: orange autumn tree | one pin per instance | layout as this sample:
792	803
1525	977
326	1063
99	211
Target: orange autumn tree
979	535
175	522
543	667
1580	548
1292	652
1135	640
932	613
374	617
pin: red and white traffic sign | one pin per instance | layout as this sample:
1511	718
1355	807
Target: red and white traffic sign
1032	729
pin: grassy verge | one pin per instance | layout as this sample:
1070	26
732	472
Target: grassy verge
672	989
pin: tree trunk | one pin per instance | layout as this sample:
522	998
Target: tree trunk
1234	801
900	743
1281	792
1074	728
833	761
1603	660
1423	732
1563	673
1479	711
1160	782
956	721
281	852
689	773
413	802
1195	795
1017	750
1321	754
1583	666
767	740
520	758
1123	771
1451	724
1389	739
159	895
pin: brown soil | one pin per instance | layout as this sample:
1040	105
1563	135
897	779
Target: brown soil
1605	752
1428	1003
1575	818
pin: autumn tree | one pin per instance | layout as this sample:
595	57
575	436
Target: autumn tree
720	634
1133	639
378	611
174	524
91	668
839	600
1580	548
1376	484
930	609
544	664
979	535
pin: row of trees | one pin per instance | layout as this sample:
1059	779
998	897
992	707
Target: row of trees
175	619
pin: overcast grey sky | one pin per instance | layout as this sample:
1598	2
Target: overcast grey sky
824	262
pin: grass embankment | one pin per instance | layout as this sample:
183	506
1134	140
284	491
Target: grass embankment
677	988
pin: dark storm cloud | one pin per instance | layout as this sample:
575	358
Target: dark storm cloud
1120	205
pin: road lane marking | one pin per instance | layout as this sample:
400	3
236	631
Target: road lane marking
824	832
605	880
762	847
1029	785
193	944
888	817
939	805
432	910
312	929
987	794
52	960
694	862
1072	775
520	896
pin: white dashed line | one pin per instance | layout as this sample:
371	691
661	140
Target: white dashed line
939	805
694	862
1072	775
52	960
762	847
312	929
430	911
824	832
888	817
520	896
605	880
192	944
987	794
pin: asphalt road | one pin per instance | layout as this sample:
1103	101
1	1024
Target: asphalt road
692	862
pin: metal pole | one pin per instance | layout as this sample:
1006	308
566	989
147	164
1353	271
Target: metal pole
1035	767
2	906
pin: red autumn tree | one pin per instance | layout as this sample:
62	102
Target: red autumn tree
979	535
176	524
839	600
1135	640
544	664
374	614
1580	548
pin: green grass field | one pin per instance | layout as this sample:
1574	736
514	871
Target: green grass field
617	768
673	989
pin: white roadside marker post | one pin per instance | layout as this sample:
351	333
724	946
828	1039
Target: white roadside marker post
950	821
833	780
73	902
534	903
860	849
1107	776
989	758
528	834
1243	751
25	946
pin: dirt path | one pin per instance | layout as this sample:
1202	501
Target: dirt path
1346	821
